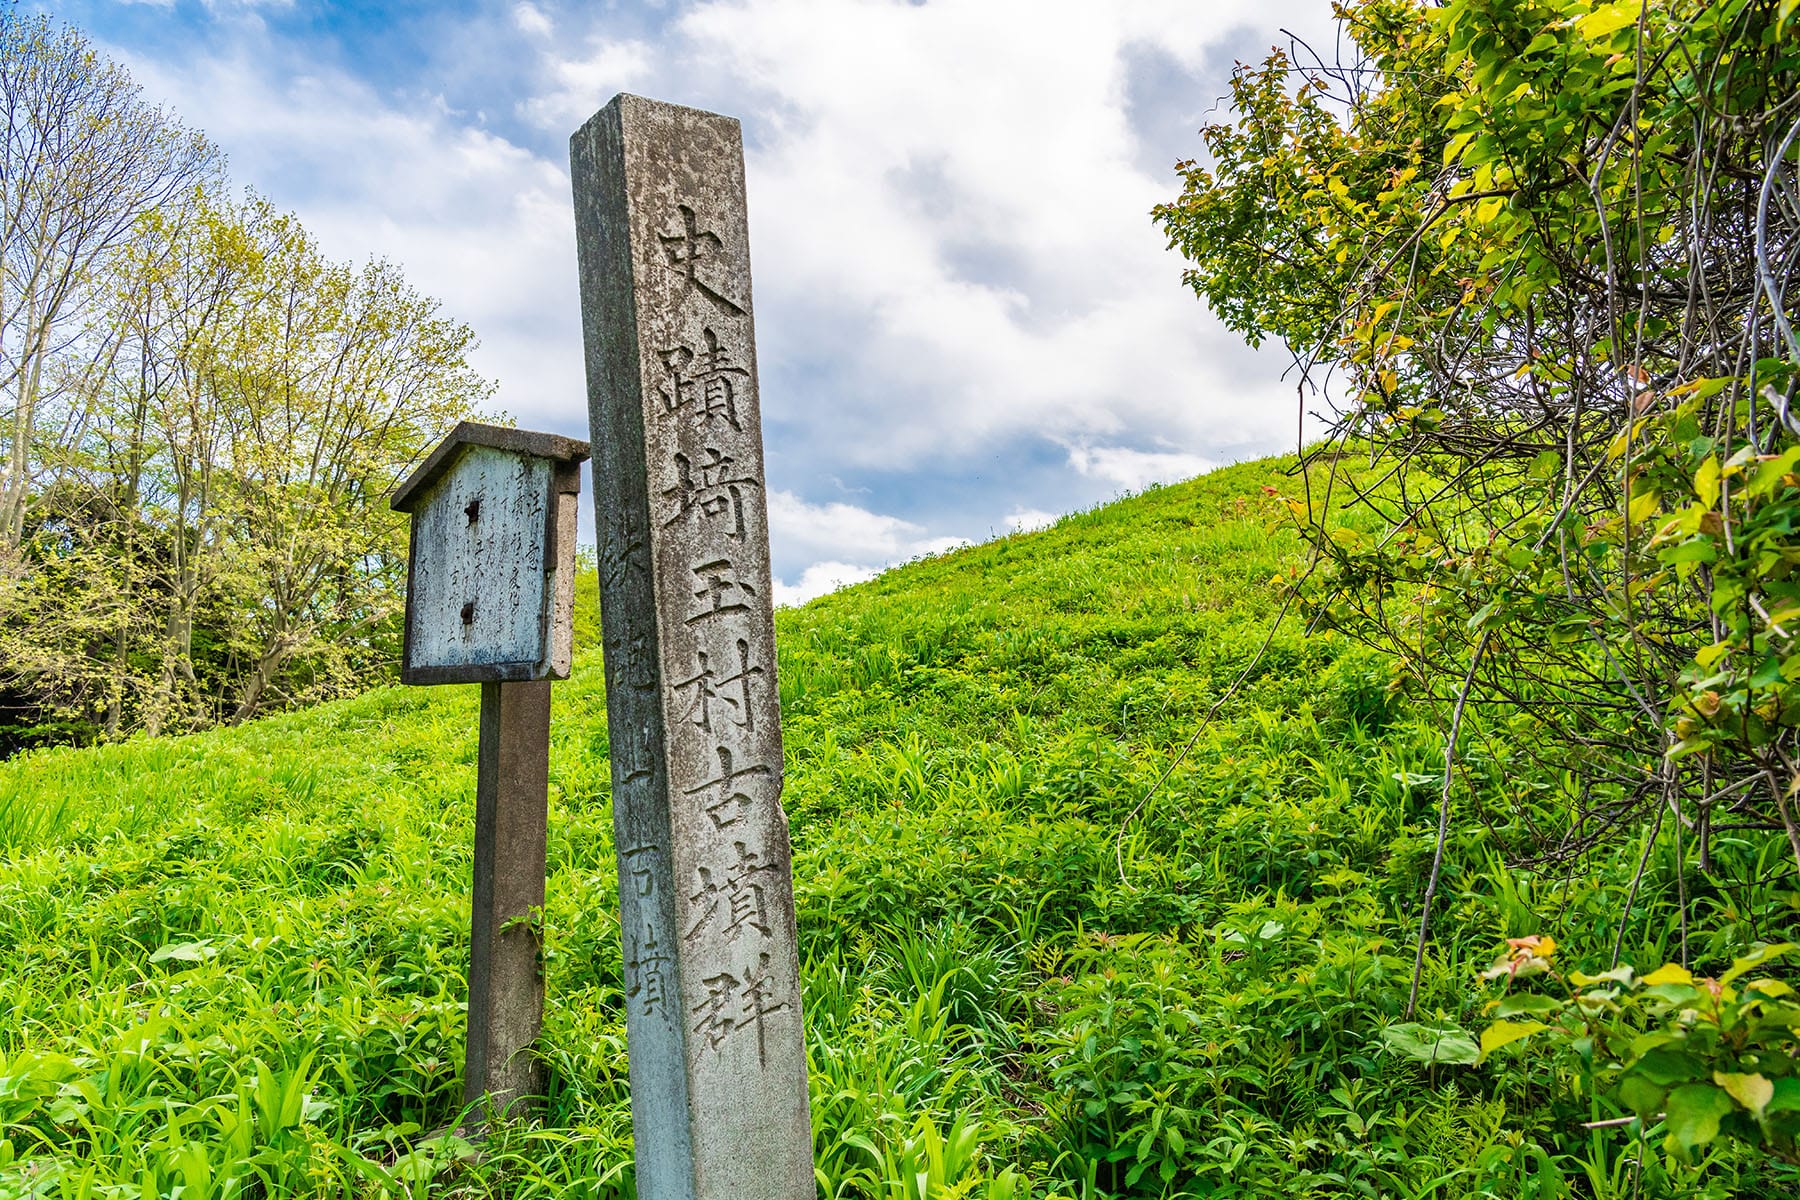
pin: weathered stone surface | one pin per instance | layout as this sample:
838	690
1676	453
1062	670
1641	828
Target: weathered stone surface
718	1064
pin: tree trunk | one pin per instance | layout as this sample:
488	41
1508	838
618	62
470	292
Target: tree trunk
18	464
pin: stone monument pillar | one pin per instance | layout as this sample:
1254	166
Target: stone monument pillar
718	1059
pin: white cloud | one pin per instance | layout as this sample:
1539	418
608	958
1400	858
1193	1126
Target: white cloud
843	543
819	579
573	89
531	19
1134	469
1025	520
949	208
799	531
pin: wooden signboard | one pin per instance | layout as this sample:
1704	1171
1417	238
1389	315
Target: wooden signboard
491	579
490	599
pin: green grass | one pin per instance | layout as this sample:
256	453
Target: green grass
235	961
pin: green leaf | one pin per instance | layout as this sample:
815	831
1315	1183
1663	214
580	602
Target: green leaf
188	952
1710	655
1694	1112
1752	1091
1769	474
1430	1044
1608	19
1528	1003
1642	1096
1706	481
1505	1033
1668	973
1756	958
1665	1066
1698	550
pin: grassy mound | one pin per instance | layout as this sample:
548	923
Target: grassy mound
1051	949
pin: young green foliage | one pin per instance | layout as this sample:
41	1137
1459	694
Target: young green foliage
1542	249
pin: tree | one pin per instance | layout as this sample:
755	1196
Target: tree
1540	251
203	535
335	378
84	158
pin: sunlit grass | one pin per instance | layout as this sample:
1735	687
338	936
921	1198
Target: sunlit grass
235	962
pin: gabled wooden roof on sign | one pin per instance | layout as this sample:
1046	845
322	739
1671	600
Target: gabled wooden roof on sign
553	446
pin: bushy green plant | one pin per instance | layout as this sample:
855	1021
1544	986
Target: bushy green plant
1123	1066
1703	1059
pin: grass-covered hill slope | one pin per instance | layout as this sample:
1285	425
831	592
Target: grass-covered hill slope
233	964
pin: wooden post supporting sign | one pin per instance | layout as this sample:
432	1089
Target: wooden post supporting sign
490	600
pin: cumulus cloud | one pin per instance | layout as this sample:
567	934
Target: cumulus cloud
1135	469
842	532
841	543
955	267
819	579
531	19
574	88
951	200
1025	520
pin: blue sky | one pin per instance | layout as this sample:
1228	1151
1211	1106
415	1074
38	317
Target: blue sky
967	322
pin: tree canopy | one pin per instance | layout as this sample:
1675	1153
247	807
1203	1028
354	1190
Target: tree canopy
1537	256
203	417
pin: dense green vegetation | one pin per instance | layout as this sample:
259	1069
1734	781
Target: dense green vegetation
1544	250
234	961
201	417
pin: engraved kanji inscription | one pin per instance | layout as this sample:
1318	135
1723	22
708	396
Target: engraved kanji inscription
721	591
628	660
758	992
634	762
735	1004
738	901
646	981
706	381
690	251
621	558
641	864
711	687
713	487
721	797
